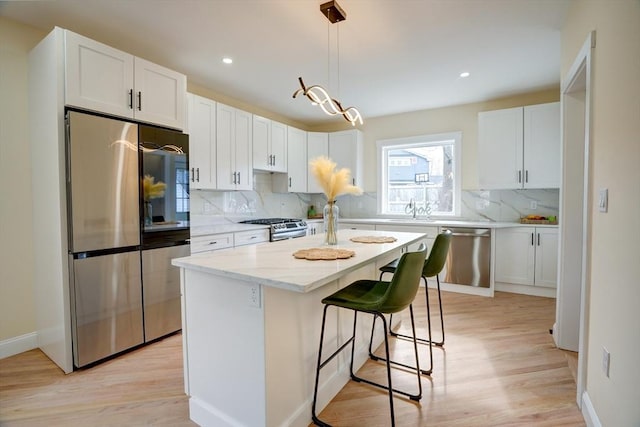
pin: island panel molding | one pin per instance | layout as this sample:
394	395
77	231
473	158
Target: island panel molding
251	327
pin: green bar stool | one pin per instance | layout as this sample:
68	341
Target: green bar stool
432	267
377	298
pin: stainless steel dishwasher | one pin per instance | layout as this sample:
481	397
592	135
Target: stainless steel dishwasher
469	258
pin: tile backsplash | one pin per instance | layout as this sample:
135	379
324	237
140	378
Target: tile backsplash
494	205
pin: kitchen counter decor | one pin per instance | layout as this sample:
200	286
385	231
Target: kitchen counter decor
373	239
334	183
537	219
325	254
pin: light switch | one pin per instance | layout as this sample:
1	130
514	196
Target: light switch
603	200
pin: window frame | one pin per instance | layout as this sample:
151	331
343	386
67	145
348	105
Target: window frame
384	145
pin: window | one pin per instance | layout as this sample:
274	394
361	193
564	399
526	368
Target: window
422	169
182	195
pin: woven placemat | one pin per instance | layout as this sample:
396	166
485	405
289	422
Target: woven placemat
373	239
326	254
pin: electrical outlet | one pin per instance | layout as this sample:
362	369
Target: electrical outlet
606	359
254	296
533	205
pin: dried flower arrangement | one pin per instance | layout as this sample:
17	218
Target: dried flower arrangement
152	190
333	182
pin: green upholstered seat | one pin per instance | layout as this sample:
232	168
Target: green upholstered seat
377	298
433	265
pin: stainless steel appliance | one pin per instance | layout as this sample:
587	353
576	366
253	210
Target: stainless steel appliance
469	258
104	236
123	289
281	228
165	226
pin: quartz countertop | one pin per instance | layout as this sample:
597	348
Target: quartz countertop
273	264
441	222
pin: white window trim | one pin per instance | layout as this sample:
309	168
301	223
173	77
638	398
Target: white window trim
398	143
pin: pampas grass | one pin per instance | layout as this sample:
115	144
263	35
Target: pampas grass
152	190
333	182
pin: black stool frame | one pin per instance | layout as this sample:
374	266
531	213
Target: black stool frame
372	356
321	364
422	340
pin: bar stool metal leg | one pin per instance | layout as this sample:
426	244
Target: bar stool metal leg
372	356
389	387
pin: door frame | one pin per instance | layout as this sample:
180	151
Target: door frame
576	96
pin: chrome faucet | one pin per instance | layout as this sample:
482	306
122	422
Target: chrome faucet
412	208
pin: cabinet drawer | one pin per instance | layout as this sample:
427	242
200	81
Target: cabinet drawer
251	237
211	242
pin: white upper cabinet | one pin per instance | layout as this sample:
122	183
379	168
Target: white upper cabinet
201	117
269	145
542	145
101	78
317	146
295	180
519	147
345	148
233	148
159	94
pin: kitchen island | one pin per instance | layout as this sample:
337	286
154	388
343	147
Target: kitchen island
251	326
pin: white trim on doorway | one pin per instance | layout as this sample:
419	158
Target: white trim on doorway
571	329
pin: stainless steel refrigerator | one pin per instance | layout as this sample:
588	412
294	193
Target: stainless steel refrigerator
104	236
121	281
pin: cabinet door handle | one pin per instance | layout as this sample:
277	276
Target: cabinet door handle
289	182
274	160
538	239
131	98
532	239
198	174
519	177
139	100
526	176
353	181
234	177
238	178
193	175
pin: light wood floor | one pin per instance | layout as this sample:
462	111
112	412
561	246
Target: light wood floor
498	368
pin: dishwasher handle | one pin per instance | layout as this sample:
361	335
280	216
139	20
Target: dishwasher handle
466	233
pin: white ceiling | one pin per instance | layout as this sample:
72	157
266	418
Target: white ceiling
394	55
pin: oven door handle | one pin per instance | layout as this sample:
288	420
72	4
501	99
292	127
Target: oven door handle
288	234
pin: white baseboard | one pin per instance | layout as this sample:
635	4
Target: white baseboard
536	291
16	345
589	412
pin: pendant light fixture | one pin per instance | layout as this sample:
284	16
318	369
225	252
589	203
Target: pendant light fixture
316	93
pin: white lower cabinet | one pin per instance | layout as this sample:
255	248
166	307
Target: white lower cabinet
250	237
214	242
527	256
346	225
211	242
314	228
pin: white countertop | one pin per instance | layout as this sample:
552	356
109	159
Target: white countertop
273	264
440	222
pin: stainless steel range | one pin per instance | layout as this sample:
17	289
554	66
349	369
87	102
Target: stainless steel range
281	228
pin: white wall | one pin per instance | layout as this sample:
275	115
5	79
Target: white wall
614	270
17	314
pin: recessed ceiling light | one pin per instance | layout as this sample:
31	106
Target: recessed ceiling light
227	60
465	74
